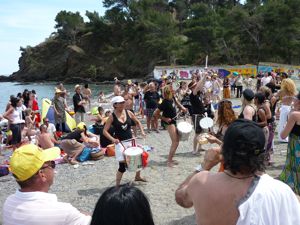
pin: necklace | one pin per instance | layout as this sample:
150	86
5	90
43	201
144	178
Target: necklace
240	178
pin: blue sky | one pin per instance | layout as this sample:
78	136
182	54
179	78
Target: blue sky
29	22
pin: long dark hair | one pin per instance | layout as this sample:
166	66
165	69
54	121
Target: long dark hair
123	205
14	101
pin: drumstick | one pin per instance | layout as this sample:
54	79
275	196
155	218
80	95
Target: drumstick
122	145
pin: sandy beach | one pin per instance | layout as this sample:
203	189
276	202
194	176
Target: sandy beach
82	186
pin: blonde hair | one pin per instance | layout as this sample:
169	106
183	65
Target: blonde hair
28	111
267	91
288	87
167	92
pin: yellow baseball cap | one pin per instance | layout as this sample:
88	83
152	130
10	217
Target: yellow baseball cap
81	126
28	159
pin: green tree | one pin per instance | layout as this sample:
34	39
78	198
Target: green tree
68	25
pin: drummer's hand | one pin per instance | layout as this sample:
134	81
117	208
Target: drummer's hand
211	139
116	141
211	158
143	134
168	120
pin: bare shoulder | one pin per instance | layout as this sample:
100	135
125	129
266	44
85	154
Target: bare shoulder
202	179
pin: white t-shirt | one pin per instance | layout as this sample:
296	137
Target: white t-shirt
266	80
51	128
40	208
272	203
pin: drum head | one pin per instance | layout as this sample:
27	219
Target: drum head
133	151
184	126
206	123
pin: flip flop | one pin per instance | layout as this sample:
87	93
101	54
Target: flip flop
175	162
140	179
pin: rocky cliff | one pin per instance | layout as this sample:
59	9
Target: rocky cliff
55	60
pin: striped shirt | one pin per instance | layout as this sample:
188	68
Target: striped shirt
36	208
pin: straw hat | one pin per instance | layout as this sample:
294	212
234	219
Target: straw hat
57	91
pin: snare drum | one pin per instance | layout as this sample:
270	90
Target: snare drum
184	130
133	157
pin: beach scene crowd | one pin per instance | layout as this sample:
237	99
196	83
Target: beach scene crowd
211	150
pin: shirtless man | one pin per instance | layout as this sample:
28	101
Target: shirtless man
87	94
117	87
44	139
243	193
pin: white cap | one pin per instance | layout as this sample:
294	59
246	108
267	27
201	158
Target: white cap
117	99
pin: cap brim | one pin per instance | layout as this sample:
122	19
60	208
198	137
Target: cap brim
51	154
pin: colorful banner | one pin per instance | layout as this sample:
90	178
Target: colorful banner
185	72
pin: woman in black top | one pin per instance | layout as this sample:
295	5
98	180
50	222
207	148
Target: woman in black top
261	118
74	142
121	120
248	108
167	107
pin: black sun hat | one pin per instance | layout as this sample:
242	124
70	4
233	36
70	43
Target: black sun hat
244	135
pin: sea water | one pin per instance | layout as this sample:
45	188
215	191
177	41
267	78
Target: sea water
44	90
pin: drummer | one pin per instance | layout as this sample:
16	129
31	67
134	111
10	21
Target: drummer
169	119
198	110
121	119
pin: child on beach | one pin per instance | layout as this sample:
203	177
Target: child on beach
29	120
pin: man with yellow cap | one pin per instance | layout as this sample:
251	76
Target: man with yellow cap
33	169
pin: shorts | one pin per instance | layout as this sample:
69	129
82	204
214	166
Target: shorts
196	122
149	112
16	133
165	124
119	149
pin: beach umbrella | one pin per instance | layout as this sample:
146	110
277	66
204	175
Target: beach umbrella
223	72
94	110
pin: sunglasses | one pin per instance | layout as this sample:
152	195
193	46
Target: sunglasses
51	165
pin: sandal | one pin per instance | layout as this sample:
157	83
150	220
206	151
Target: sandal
175	162
140	179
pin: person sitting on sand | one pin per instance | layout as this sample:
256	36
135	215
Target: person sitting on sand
50	128
74	142
33	169
123	205
44	139
121	120
248	195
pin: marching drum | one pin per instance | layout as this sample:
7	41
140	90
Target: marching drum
184	130
133	157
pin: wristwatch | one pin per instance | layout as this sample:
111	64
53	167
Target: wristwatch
199	168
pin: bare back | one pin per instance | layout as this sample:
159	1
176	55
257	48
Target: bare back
45	141
216	196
